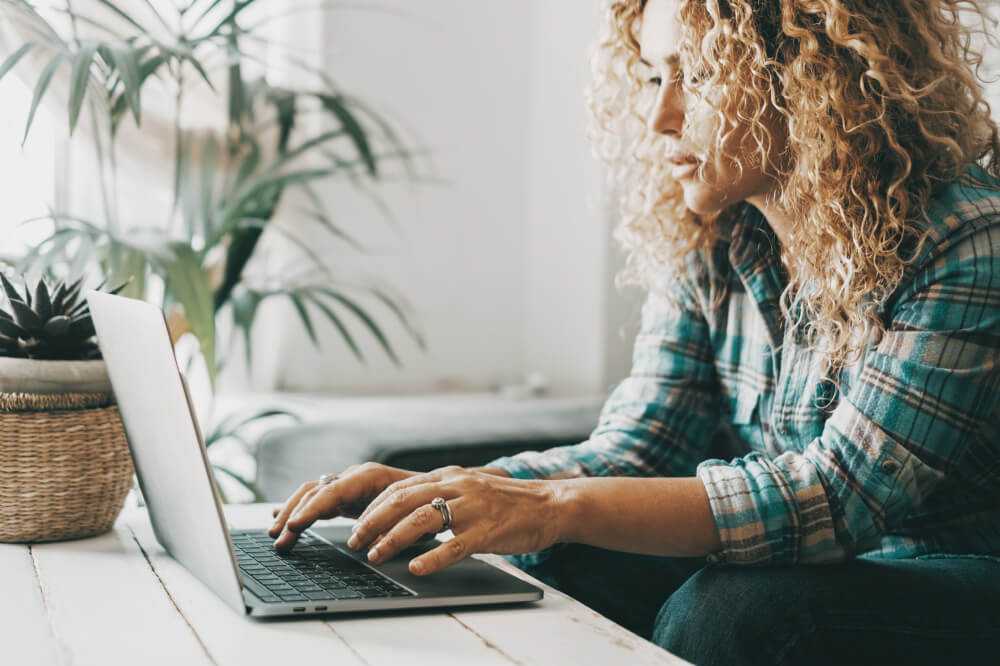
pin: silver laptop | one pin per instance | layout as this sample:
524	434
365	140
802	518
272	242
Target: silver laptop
321	574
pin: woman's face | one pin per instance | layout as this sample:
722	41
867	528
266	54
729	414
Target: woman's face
708	187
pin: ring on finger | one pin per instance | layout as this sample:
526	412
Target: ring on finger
441	505
327	478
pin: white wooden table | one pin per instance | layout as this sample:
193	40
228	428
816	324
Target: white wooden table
120	599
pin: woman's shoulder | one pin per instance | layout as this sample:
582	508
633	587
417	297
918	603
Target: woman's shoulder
959	242
959	210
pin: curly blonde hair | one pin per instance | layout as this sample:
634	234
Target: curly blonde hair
882	104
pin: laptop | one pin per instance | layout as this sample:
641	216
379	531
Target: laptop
320	575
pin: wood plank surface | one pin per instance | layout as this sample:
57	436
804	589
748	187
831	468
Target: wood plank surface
105	606
25	636
120	599
560	627
556	630
231	638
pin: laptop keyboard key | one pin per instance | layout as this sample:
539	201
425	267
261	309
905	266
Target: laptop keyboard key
317	596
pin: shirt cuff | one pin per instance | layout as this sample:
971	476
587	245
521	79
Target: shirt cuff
742	530
516	468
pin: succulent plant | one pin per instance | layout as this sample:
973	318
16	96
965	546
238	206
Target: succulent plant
54	324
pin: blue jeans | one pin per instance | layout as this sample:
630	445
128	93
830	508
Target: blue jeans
932	610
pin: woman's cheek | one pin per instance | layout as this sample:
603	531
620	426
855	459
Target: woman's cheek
701	128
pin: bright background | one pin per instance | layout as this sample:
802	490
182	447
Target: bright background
508	262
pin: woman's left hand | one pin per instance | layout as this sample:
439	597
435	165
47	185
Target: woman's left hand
489	514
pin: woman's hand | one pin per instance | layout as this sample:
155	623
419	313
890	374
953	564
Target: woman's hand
347	496
490	514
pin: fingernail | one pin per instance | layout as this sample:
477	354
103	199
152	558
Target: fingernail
354	542
416	566
373	554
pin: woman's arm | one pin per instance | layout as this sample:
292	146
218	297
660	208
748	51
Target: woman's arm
670	517
493	514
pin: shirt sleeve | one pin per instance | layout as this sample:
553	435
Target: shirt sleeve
656	422
919	409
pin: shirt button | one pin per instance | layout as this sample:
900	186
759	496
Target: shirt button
782	429
890	466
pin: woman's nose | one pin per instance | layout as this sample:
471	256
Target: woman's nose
667	115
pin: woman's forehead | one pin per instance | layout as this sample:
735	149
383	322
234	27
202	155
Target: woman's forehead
660	33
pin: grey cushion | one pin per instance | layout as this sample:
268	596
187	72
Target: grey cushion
421	439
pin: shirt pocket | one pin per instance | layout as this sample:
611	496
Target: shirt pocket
745	408
746	420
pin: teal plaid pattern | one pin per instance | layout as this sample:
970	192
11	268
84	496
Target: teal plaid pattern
903	461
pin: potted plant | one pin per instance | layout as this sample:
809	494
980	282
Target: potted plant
65	467
278	142
278	145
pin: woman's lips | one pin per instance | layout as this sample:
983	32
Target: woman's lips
684	169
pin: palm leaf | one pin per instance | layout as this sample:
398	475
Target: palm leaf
115	9
304	316
126	61
327	224
40	87
335	320
234	422
298	242
258	496
337	106
244	303
15	57
404	320
188	284
364	317
79	78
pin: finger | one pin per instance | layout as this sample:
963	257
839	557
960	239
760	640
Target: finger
289	533
395	507
274	513
289	506
405	533
450	552
327	501
293	526
437	475
417	480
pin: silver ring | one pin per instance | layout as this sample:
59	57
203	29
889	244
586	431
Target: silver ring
327	478
445	510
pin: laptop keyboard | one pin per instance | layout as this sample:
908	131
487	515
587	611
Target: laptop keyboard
313	571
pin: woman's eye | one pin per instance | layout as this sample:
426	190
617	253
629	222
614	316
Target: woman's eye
655	81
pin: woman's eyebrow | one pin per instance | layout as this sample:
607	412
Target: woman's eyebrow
672	59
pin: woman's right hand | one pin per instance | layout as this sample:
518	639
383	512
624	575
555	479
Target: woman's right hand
347	496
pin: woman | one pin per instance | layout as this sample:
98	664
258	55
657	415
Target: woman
814	205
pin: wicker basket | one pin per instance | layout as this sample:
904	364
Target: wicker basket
65	466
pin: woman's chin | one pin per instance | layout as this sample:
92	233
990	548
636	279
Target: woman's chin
700	198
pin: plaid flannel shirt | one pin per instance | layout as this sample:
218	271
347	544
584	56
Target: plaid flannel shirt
905	462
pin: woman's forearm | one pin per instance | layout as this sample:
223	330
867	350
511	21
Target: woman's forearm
663	516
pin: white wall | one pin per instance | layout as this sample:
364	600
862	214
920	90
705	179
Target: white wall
509	265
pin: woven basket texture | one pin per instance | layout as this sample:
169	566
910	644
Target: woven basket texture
65	466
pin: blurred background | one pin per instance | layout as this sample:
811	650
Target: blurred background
503	249
423	236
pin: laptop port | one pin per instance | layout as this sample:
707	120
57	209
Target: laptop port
299	610
320	608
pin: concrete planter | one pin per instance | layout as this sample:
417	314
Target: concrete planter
20	375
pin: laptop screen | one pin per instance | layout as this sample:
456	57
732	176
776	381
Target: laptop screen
162	430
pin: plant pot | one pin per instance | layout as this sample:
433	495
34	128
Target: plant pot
65	466
22	375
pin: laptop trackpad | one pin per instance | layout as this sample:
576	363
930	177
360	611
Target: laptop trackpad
468	577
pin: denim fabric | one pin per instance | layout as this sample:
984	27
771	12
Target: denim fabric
928	610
